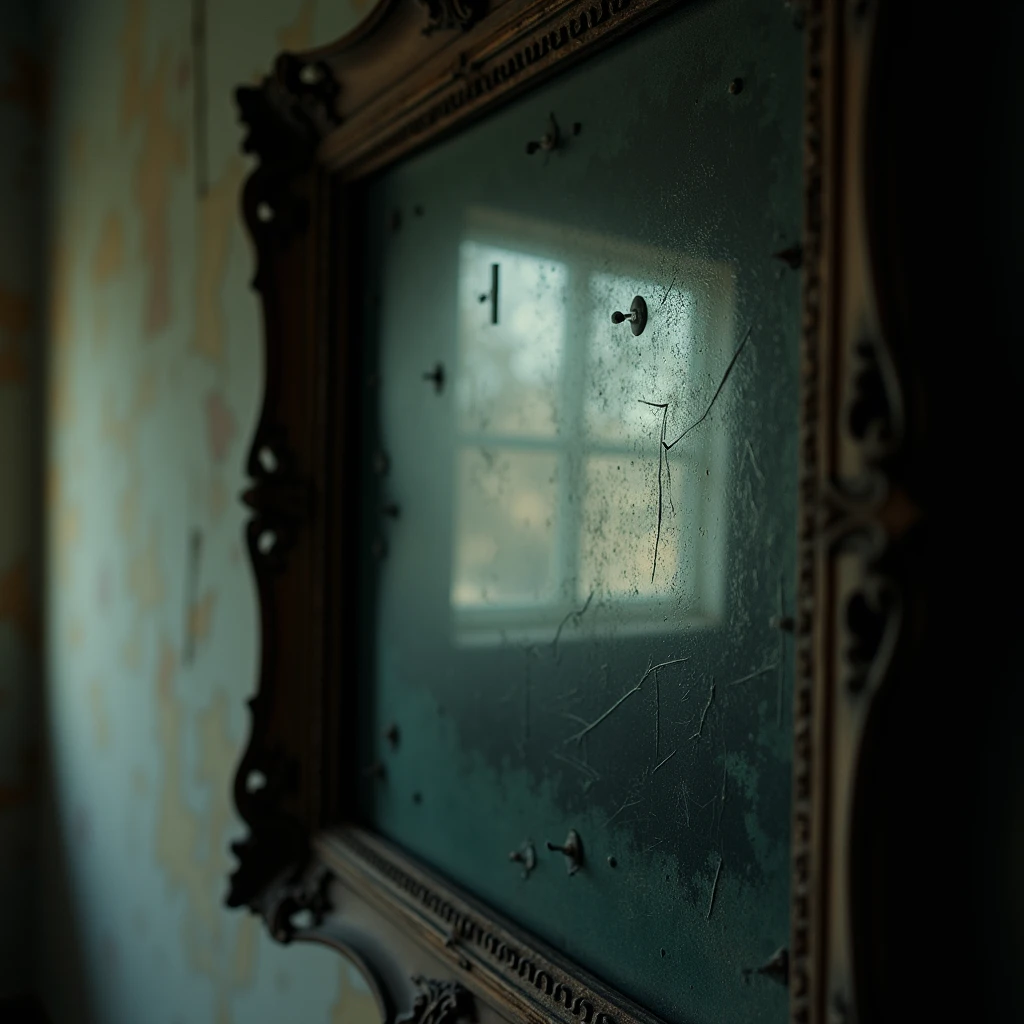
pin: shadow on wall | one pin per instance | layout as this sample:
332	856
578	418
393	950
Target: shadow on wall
22	101
23	1010
56	903
34	854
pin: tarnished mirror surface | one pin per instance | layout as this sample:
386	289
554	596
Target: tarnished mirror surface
579	541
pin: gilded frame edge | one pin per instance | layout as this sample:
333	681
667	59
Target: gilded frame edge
855	511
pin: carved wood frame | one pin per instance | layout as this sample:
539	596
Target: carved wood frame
412	71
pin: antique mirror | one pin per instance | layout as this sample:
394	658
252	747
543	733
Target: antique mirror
567	519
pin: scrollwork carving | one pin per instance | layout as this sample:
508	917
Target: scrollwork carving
803	835
872	622
285	118
264	777
290	111
438	1002
533	971
875	414
299	904
858	513
267	775
278	497
445	15
506	61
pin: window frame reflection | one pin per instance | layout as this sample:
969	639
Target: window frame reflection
703	287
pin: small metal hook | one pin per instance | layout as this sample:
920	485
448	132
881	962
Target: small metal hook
636	317
437	376
552	139
775	967
573	850
793	257
525	855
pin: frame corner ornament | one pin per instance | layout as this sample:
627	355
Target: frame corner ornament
293	108
438	1002
275	841
286	117
305	894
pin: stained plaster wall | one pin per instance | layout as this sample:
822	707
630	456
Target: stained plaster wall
153	385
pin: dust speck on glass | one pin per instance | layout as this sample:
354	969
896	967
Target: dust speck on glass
574	618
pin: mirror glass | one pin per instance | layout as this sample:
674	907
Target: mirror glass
579	541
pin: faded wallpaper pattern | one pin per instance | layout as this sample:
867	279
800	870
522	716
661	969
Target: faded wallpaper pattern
22	100
153	387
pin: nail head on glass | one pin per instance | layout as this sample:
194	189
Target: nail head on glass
636	317
572	848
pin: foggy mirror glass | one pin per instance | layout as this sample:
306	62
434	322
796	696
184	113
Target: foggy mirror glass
578	542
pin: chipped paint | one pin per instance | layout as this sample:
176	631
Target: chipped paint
221	426
163	158
191	852
218	499
178	830
219	226
108	259
355	1001
200	617
146	581
246	952
121	430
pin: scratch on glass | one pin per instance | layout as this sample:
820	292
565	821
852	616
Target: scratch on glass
576	615
714	888
577	737
704	713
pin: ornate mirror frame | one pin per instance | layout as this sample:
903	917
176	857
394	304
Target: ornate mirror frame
412	71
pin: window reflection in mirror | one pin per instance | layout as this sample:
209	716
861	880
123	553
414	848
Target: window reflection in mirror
560	470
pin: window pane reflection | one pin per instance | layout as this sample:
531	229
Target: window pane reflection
622	369
505	533
564	491
618	535
509	371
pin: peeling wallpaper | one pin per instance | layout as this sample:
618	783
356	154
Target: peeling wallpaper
153	385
